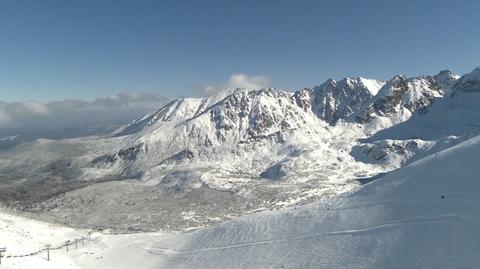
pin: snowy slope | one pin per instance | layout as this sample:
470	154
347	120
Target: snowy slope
178	110
425	215
399	221
25	241
24	236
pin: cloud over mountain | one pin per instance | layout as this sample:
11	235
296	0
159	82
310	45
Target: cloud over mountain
237	81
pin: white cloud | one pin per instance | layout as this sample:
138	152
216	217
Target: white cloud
36	108
4	118
119	108
238	81
129	99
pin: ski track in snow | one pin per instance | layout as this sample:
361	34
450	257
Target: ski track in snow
414	220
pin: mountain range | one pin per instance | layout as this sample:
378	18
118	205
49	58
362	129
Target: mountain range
197	161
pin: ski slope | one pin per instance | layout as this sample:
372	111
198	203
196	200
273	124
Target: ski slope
398	221
25	238
22	236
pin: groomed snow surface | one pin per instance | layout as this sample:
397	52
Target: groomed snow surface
424	215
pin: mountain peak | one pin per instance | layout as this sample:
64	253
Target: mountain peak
333	100
329	82
474	74
447	73
469	82
446	79
372	85
399	98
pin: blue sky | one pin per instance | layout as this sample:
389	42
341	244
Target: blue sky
52	50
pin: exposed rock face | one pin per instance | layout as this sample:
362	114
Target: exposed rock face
402	96
274	172
254	114
333	101
303	99
126	154
178	158
339	100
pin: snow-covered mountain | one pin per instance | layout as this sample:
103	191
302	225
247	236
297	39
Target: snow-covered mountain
398	99
242	151
424	215
189	130
333	100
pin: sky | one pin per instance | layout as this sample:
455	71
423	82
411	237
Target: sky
52	50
